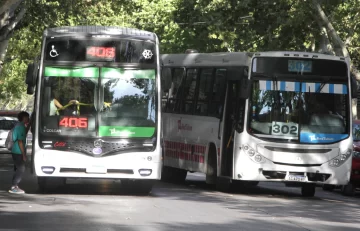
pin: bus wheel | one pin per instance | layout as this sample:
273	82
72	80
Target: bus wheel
165	174
141	187
250	183
224	184
211	173
180	175
42	186
47	184
348	190
328	187
308	190
173	175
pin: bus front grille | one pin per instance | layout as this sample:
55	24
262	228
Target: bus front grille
107	148
83	170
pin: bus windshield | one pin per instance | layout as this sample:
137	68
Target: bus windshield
300	111
129	102
98	102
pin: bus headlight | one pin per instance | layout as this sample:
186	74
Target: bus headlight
254	156
258	158
340	159
248	150
251	152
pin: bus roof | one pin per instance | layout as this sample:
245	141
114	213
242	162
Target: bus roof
66	31
298	54
219	59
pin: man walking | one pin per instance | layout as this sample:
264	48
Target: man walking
19	151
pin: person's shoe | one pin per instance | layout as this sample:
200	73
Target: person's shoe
16	190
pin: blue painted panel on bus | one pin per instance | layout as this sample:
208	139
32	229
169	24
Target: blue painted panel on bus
299	66
319	138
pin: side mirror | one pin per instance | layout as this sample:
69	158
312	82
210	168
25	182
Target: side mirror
245	88
166	78
354	87
30	75
30	90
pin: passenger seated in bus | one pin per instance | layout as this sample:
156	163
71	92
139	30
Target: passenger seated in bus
55	105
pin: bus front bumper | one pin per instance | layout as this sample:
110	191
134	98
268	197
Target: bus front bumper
135	165
247	169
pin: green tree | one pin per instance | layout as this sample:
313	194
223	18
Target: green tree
206	25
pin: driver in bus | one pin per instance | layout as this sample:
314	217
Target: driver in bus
55	105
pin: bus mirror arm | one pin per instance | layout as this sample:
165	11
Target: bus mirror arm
354	87
30	90
31	76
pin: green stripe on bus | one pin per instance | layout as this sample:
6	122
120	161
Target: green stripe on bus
108	72
86	72
126	131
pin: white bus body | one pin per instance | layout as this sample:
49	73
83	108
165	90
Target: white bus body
113	133
264	146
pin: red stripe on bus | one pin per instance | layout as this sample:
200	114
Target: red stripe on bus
178	150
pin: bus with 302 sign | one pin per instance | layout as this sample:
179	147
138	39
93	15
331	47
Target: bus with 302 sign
274	116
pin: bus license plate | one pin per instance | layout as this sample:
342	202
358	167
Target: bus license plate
96	169
296	178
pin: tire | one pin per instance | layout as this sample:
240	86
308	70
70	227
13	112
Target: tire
211	173
328	187
180	175
42	186
48	184
348	190
308	190
140	187
223	184
173	175
250	183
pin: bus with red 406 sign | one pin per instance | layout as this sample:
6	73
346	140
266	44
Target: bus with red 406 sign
96	106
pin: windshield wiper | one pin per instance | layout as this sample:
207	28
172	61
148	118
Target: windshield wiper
322	85
275	80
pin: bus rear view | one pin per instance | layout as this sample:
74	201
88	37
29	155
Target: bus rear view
96	106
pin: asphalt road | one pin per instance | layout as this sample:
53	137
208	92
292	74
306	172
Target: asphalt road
101	205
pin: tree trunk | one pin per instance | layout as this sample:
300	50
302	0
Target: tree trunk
8	22
337	44
3	46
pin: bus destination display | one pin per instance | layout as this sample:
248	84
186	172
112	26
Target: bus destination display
299	66
94	53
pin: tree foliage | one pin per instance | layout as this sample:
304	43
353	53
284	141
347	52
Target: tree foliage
205	25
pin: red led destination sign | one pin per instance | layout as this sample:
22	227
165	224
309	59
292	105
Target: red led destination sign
100	53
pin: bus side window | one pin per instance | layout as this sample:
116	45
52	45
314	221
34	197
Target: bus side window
205	89
187	102
174	91
165	87
217	100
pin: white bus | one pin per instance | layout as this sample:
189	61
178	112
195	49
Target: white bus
97	106
288	118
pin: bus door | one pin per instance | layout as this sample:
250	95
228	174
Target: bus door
232	116
227	133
